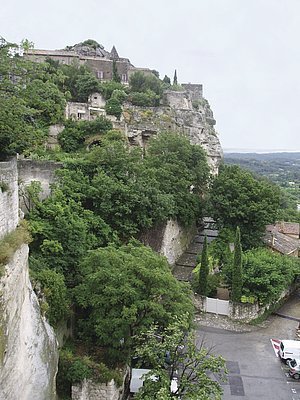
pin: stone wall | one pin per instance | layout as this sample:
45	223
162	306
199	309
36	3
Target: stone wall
176	240
178	100
28	350
195	89
244	312
169	239
9	206
42	171
90	390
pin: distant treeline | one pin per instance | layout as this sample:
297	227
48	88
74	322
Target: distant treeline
280	168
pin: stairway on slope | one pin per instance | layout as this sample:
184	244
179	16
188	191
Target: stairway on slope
187	262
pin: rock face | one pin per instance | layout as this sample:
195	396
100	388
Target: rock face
9	209
28	350
185	112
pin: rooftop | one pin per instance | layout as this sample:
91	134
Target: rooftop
281	242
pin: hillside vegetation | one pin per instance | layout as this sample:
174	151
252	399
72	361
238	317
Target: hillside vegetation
84	255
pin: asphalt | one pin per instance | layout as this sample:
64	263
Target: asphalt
254	370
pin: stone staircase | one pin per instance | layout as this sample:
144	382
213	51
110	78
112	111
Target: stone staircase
186	263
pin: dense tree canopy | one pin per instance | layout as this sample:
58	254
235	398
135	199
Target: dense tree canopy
266	274
124	290
239	199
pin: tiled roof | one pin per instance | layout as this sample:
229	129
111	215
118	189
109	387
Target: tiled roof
284	244
288	228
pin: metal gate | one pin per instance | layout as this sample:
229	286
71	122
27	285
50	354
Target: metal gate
217	306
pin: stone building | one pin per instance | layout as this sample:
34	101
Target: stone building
97	59
94	107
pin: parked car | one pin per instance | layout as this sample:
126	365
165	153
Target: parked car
289	350
294	368
138	376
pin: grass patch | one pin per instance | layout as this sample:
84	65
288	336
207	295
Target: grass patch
11	242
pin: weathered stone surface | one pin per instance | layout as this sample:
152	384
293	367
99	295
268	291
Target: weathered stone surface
90	390
41	171
175	240
9	209
28	350
178	113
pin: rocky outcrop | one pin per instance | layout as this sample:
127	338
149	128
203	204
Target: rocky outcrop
28	349
185	112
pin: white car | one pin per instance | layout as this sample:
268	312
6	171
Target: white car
294	368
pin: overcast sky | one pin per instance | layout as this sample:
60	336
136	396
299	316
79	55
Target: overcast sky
246	53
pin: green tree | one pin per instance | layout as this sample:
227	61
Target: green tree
19	128
175	82
26	45
182	171
266	275
85	85
48	101
54	289
63	231
237	275
115	75
167	80
125	290
204	270
73	137
140	82
175	353
107	88
113	107
239	199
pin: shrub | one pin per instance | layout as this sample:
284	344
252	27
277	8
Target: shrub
113	107
147	99
119	95
107	88
72	138
55	292
74	369
12	241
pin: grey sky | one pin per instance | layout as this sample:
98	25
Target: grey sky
246	53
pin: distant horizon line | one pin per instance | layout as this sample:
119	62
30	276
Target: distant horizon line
259	151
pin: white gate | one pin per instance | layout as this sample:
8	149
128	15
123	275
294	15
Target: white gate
217	306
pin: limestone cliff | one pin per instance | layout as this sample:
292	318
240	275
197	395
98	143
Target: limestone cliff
28	350
185	112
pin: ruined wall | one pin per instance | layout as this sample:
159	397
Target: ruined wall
42	171
89	390
28	350
9	208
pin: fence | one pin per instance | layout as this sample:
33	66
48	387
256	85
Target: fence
236	311
216	306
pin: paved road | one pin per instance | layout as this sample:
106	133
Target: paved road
254	370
